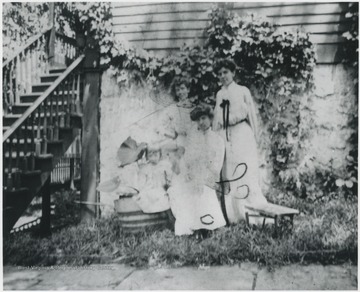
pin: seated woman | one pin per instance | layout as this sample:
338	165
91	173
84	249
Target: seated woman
193	199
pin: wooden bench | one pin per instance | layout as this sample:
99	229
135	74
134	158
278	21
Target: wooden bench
270	210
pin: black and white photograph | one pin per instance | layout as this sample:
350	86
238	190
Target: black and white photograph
180	145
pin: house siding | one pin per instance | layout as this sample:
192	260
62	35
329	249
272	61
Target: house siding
165	27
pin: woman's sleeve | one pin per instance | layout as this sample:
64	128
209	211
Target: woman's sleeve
217	121
251	112
167	123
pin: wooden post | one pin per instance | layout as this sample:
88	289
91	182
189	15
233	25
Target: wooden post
90	134
72	164
45	225
51	46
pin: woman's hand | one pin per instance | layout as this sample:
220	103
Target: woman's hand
171	134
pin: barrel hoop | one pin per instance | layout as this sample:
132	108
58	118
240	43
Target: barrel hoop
140	224
131	213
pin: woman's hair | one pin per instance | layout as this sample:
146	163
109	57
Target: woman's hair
152	150
200	110
178	81
224	63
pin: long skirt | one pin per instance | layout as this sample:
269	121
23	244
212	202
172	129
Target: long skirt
241	165
194	207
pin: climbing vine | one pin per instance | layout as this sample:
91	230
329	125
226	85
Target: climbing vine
20	22
275	63
351	58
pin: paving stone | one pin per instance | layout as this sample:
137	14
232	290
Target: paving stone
354	275
313	277
94	277
121	277
191	278
19	278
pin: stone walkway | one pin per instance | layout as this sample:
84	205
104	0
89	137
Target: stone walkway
120	277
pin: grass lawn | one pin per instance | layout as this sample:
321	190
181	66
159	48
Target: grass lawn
323	233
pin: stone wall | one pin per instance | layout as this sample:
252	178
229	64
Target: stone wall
136	112
329	105
133	112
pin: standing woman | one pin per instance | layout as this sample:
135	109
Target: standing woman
235	119
177	123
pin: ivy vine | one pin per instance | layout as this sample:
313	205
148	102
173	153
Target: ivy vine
275	63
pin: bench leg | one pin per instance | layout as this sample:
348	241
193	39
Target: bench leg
247	219
276	224
292	221
263	225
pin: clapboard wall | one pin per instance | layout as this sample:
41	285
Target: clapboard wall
165	27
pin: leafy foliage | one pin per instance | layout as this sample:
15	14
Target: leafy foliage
351	47
91	19
351	53
20	22
277	65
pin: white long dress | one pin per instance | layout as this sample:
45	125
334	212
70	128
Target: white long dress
177	122
152	179
193	200
241	150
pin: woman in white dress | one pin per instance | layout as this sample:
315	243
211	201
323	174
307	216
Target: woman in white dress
153	180
235	121
177	122
192	194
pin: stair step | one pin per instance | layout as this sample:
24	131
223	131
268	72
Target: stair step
41	87
49	77
62	130
43	163
20	108
57	70
29	98
9	119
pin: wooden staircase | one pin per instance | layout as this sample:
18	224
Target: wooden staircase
41	119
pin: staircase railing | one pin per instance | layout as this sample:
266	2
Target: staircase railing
26	66
27	138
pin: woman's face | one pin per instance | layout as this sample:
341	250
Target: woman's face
153	157
181	92
226	76
204	123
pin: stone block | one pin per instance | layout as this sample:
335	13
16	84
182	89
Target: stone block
94	277
208	278
313	277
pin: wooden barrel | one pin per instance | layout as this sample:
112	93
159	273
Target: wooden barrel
133	219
